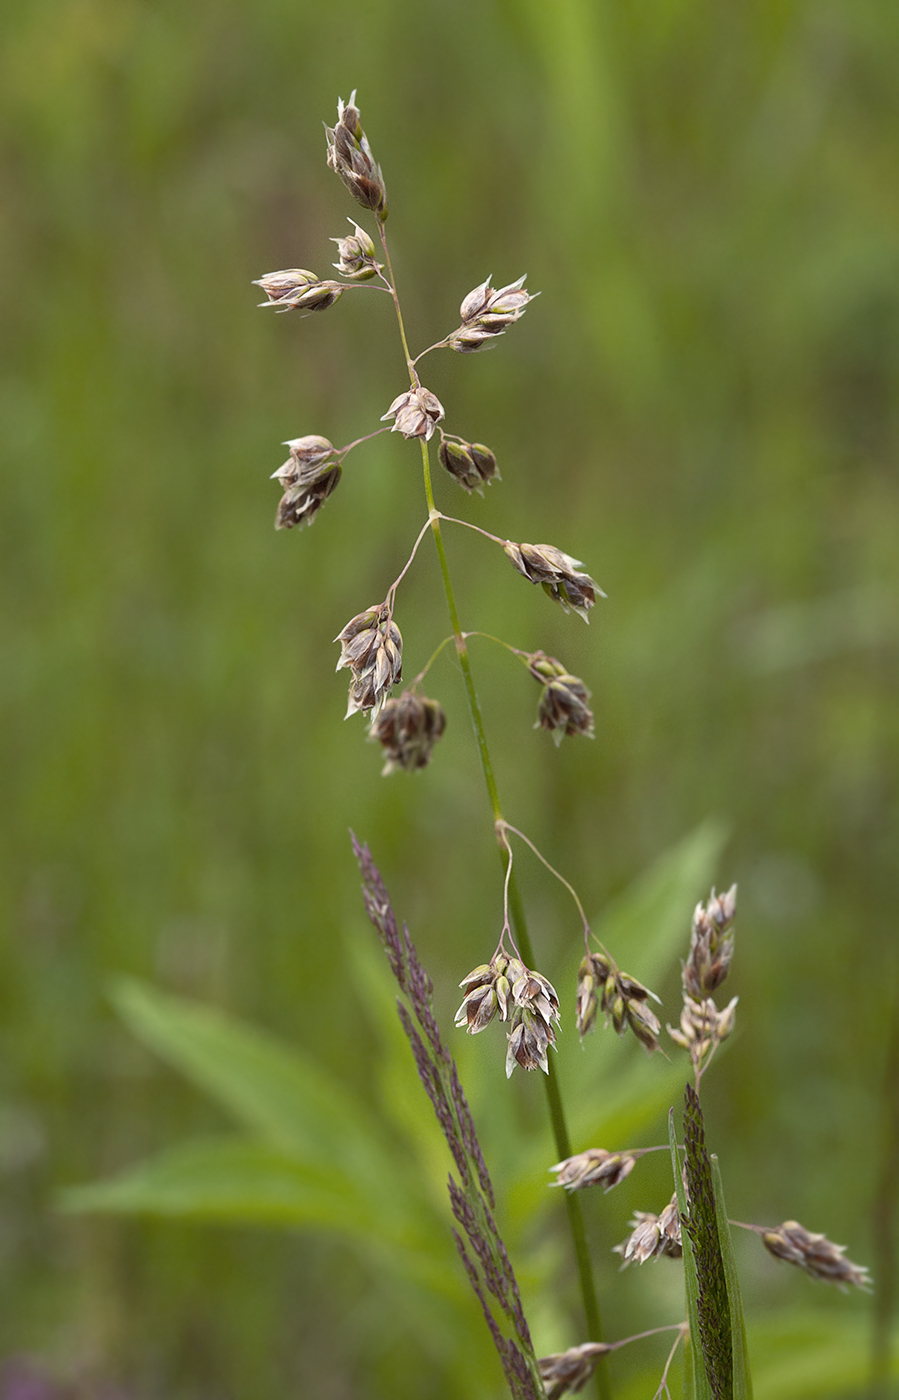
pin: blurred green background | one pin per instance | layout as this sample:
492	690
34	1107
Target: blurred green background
702	406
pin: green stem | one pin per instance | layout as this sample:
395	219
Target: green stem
556	1108
553	1095
522	937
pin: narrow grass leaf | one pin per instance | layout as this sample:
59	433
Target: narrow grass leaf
741	1375
696	1385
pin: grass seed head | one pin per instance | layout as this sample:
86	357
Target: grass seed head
407	728
350	157
356	255
558	574
711	945
296	289
415	413
816	1254
567	1372
593	1167
372	648
471	463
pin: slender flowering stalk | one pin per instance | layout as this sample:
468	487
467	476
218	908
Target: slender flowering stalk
556	1110
371	645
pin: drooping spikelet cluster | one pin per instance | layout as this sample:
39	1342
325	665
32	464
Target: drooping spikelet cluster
557	573
471	463
602	986
504	987
486	313
407	728
308	477
567	1372
371	646
563	708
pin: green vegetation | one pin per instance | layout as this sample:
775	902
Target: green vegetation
702	405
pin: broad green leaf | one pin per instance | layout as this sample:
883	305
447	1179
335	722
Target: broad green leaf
224	1179
277	1092
280	1095
238	1180
648	925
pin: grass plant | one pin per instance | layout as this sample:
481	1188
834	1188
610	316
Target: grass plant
309	1153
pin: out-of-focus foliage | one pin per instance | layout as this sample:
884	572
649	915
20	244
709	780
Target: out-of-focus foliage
702	406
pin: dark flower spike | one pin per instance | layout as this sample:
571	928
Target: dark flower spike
557	573
350	157
563	705
296	289
471	463
372	648
415	413
480	1245
407	728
